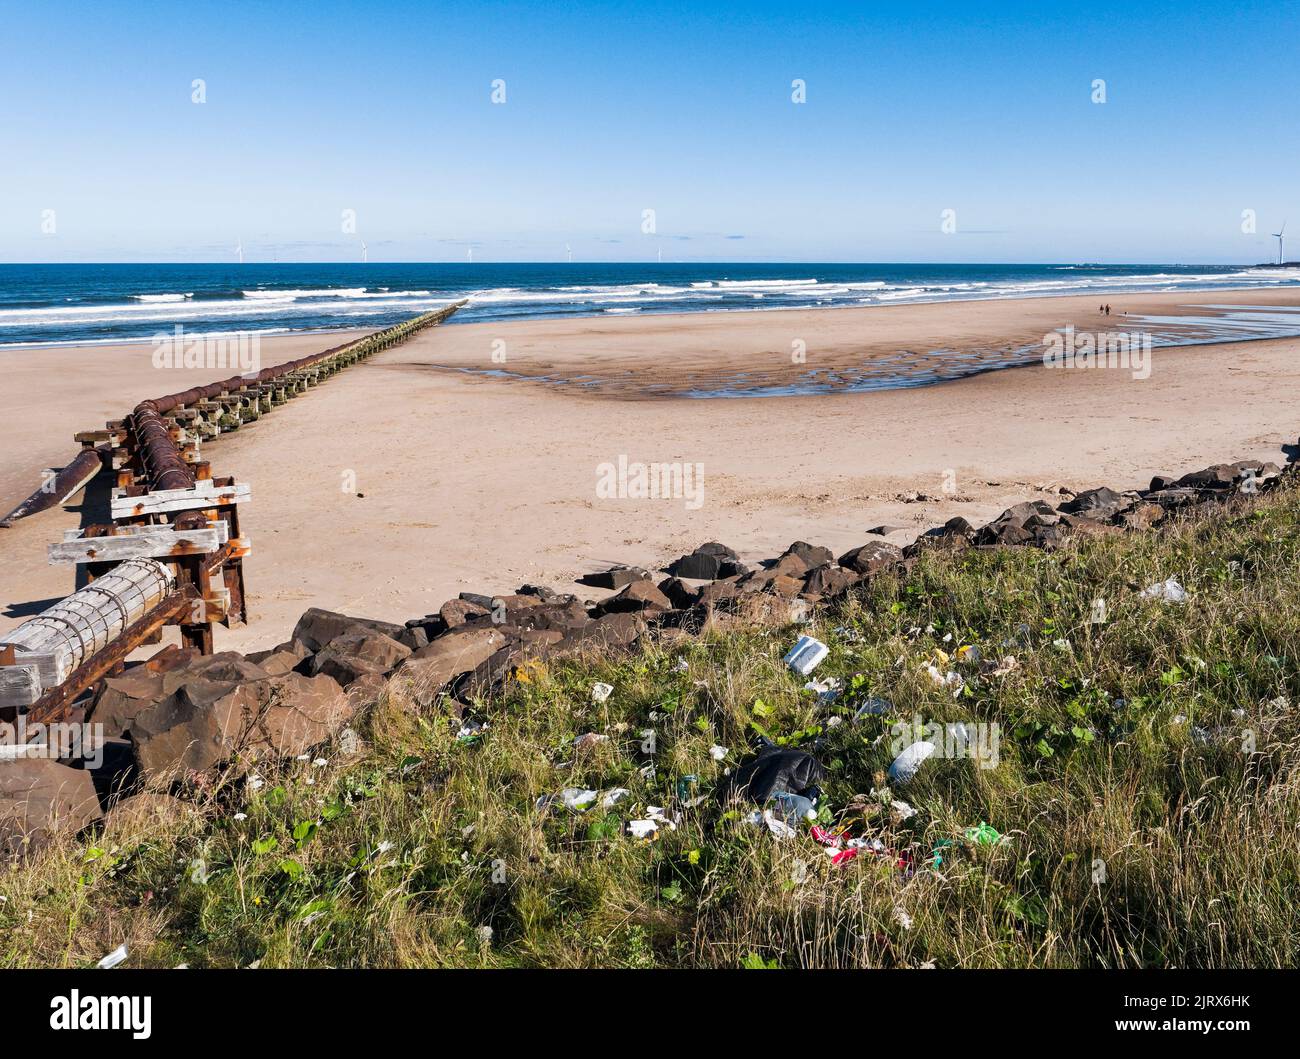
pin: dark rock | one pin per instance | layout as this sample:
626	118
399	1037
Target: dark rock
871	558
714	548
40	798
540	591
427	671
699	566
414	637
618	577
733	568
456	612
813	555
790	564
639	596
317	627
347	658
679	593
885	530
1100	503
830	580
205	723
1161	481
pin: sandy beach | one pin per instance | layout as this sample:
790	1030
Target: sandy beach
425	471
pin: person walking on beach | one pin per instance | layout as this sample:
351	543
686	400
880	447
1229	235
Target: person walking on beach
1108	309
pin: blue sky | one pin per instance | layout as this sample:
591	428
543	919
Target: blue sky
612	109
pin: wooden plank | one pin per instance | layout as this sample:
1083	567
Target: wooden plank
155	542
170	500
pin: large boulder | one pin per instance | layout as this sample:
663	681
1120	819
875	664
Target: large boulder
1100	504
351	656
638	597
615	578
872	558
40	798
427	671
830	580
205	723
456	612
316	628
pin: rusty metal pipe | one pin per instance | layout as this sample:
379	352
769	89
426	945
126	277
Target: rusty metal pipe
74	476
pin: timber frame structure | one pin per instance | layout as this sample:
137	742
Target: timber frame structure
173	551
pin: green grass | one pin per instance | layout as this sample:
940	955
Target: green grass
1132	838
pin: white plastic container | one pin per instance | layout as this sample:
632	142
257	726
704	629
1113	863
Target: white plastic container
806	655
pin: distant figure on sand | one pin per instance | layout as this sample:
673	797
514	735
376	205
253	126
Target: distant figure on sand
1108	309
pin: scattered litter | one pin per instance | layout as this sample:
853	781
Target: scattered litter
718	753
115	957
600	692
778	769
654	818
589	741
847	634
908	763
827	691
806	654
256	783
950	679
983	835
681	666
970	653
873	707
1169	591
349	742
484	934
794	807
319	763
575	798
900	812
471	732
613	796
777	826
1007	665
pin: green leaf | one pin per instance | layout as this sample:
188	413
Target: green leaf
265	844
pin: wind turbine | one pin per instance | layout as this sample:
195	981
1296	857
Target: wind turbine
365	253
569	250
1281	258
240	251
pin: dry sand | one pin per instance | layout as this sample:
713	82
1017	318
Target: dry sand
474	482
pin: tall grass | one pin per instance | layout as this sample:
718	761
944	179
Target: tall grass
1146	790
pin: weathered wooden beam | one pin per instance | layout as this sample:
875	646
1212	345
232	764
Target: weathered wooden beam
154	542
169	500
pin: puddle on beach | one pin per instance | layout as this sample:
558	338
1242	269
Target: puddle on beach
906	369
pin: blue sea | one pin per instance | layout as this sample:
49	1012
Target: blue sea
42	304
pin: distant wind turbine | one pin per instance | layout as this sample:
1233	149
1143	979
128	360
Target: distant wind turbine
1281	258
365	253
240	251
469	253
569	250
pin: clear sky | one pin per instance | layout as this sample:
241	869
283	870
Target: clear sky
386	109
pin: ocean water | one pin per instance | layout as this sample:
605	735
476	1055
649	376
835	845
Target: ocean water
114	303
